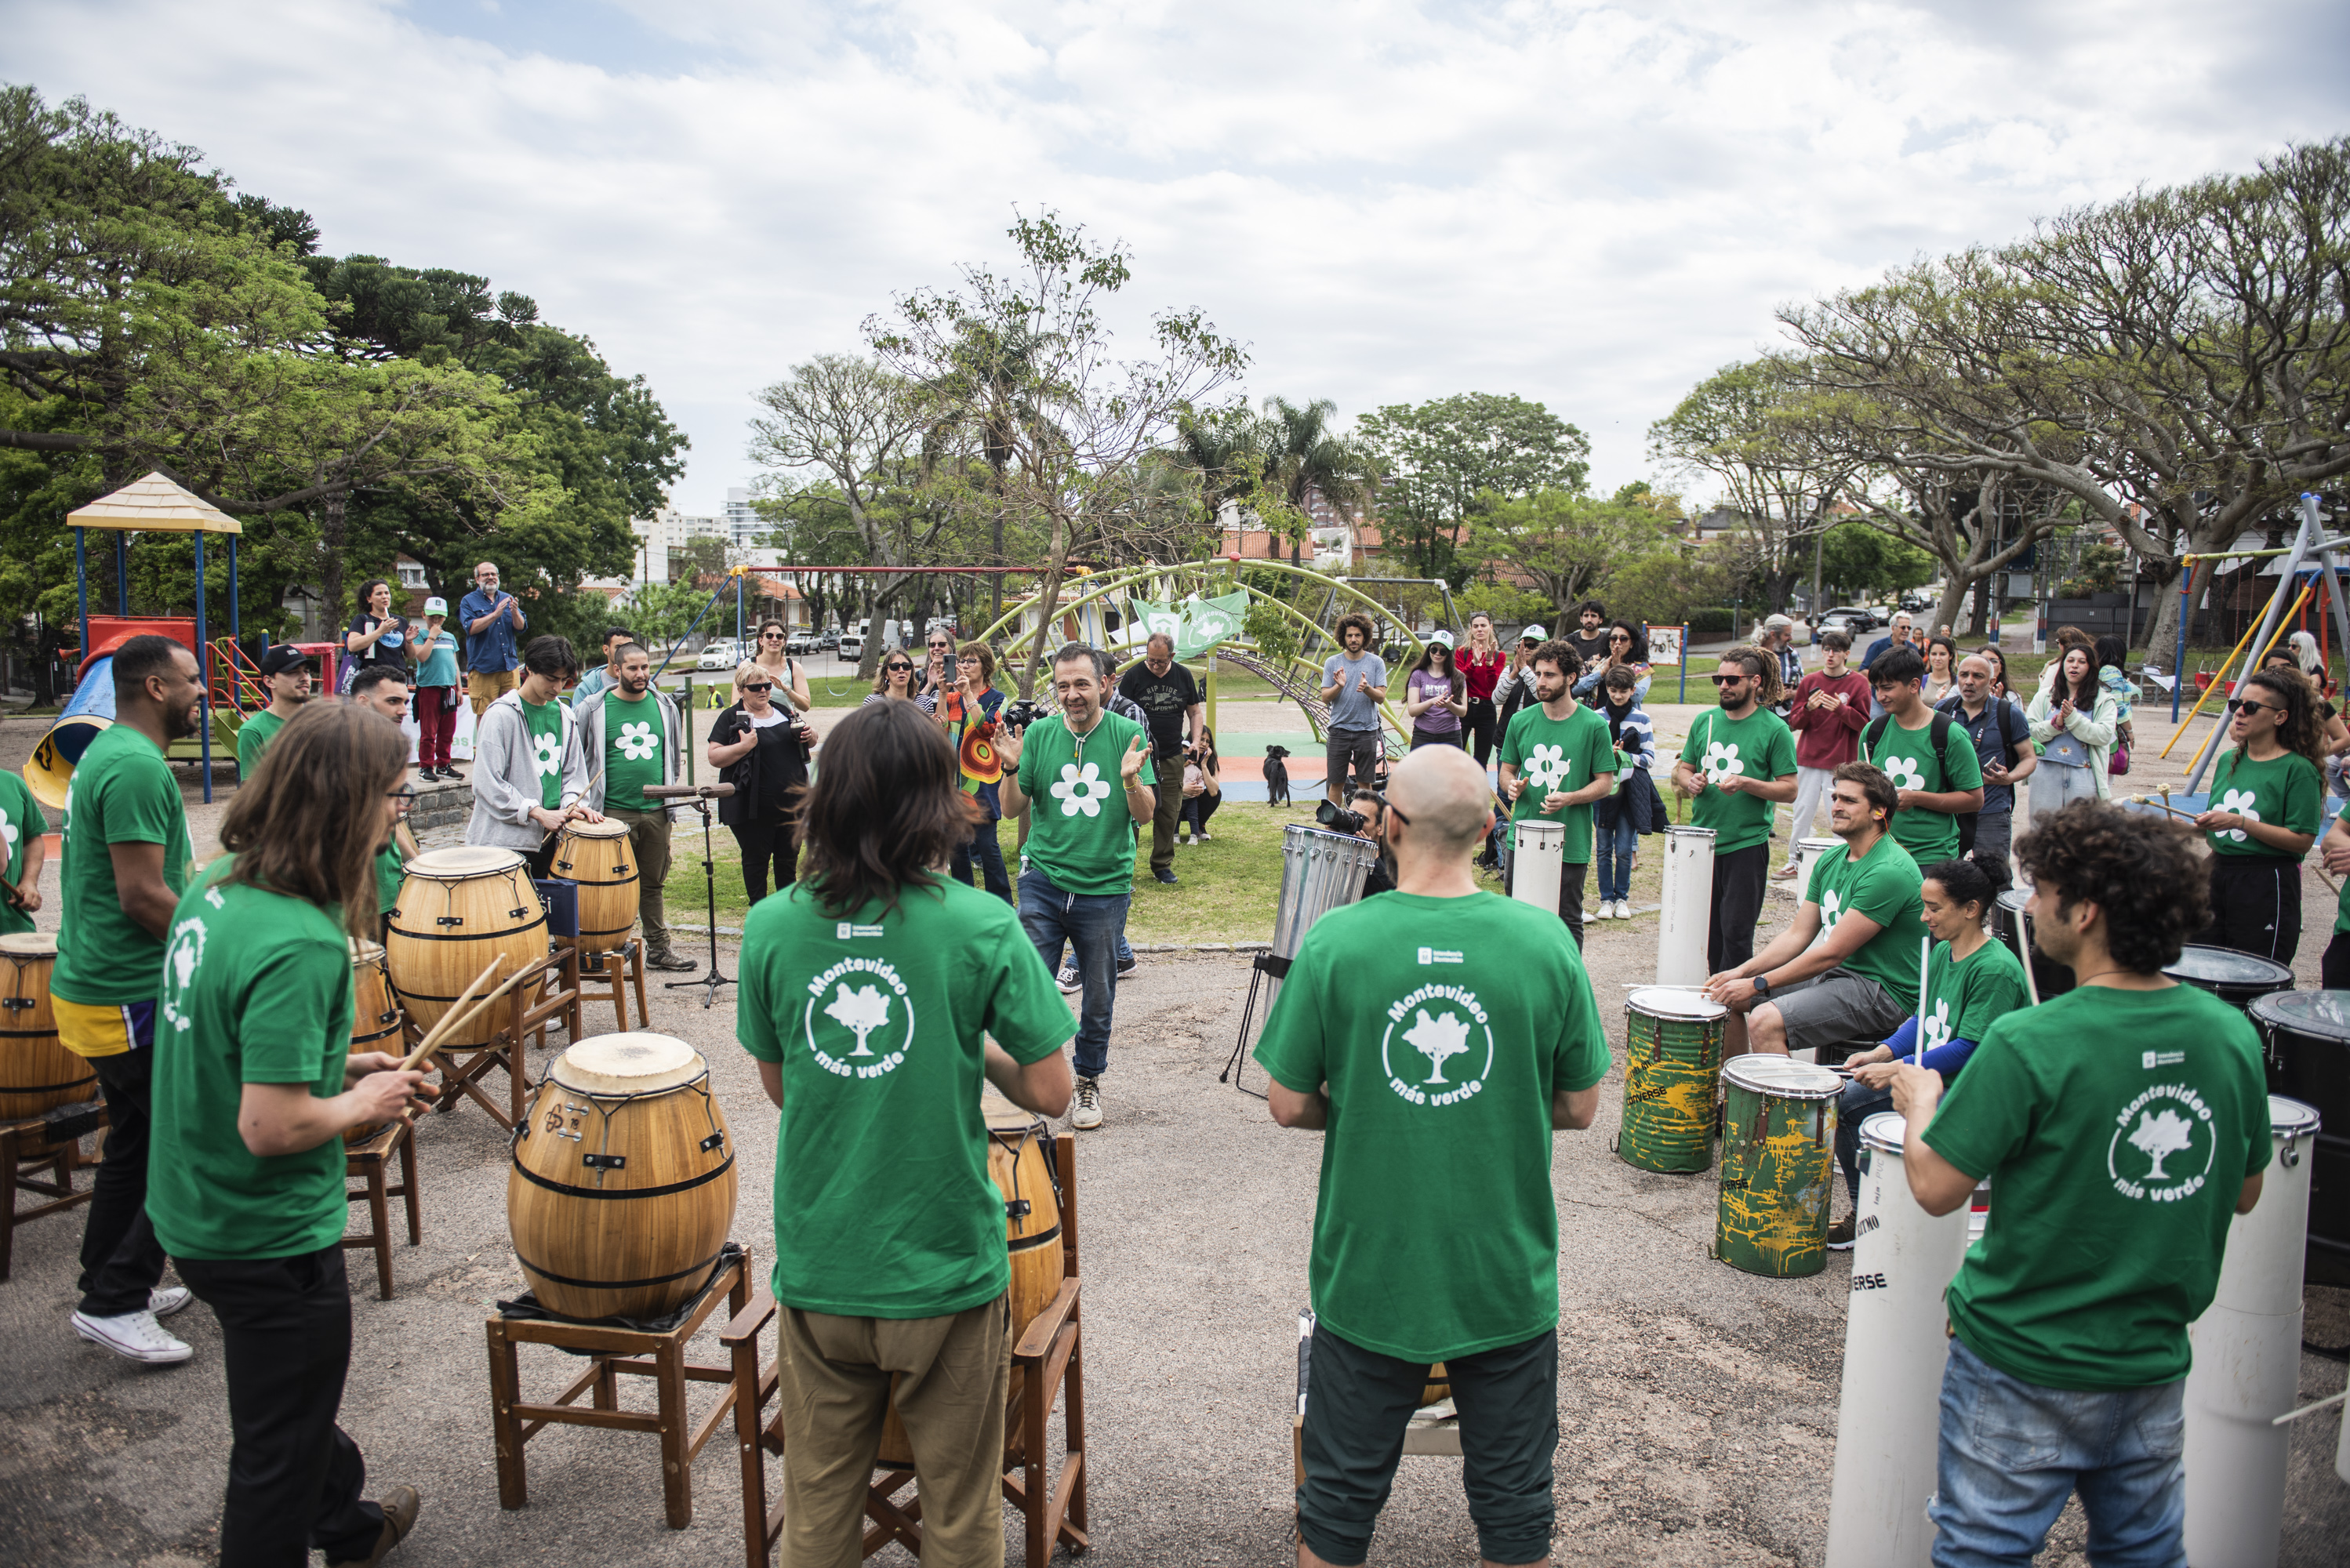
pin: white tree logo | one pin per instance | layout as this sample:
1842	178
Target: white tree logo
863	1011
1904	772
1079	791
2239	801
2160	1135
181	960
548	751
1934	1032
2153	1155
1721	762
1438	1047
1831	910
637	740
1547	768
1439	1039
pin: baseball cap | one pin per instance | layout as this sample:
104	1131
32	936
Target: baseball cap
1534	634
1441	634
436	605
281	659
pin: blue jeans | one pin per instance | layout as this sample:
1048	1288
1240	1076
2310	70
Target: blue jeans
1093	927
2012	1452
986	849
1854	1106
1613	848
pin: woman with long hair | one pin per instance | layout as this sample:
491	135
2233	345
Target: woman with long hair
1941	669
2073	720
894	680
1203	788
879	998
967	709
773	655
2268	797
1627	649
255	1087
1481	662
1435	695
759	749
375	635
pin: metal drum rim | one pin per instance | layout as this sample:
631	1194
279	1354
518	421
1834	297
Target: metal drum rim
2299	1119
1713	1011
1887	1132
2275	969
1741	1070
1686	832
2282	1009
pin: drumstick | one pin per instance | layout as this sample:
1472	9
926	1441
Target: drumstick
2162	804
475	1010
432	1037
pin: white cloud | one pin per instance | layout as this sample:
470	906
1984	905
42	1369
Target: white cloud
1593	205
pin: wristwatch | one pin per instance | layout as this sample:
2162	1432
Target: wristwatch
1761	985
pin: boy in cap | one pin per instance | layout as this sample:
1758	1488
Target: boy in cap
286	676
436	692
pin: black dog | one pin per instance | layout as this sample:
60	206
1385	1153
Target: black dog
1276	775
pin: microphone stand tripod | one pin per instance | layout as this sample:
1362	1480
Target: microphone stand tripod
700	800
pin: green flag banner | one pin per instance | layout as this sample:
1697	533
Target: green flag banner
1196	625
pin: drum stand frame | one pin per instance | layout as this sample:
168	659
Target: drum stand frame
1265	967
712	979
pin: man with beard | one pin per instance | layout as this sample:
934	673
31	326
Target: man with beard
286	676
1736	766
126	863
633	736
1556	759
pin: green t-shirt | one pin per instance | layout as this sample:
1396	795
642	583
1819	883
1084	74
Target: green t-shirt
633	737
1883	886
1966	996
883	1205
257	991
545	723
2287	789
1566	753
2117	1127
391	871
1909	760
1442	1027
122	791
1080	834
253	738
1759	746
20	821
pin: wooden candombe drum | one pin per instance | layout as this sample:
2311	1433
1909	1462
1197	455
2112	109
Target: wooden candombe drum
458	909
36	1073
622	1189
596	855
1778	1162
1671	1058
375	1016
1021	1166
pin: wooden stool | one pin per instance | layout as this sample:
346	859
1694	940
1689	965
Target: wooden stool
366	1161
1047	1361
53	1142
463	1066
622	967
660	1356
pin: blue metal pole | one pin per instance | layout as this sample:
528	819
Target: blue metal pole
2178	664
81	588
738	612
1685	658
203	675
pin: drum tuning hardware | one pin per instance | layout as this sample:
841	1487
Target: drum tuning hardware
715	1140
2290	1155
1015	1209
605	1161
453	919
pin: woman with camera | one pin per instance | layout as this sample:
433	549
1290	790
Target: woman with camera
762	751
1203	788
968	709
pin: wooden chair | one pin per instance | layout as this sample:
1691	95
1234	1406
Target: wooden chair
613	1351
366	1162
51	1142
463	1066
1047	1363
621	968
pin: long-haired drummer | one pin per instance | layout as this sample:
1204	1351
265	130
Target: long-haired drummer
530	765
255	1086
870	990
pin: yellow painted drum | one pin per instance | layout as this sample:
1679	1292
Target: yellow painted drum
1778	1164
1672	1057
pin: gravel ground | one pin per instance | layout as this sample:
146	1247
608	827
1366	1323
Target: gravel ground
1697	1404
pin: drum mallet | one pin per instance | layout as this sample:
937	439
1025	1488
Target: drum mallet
449	1020
2164	804
461	1020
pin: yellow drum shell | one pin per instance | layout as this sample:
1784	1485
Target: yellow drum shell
37	1072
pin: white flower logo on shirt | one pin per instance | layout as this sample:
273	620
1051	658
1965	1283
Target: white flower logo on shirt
1934	1032
637	740
548	751
1904	772
2239	801
9	835
1079	791
1721	762
1831	909
1547	768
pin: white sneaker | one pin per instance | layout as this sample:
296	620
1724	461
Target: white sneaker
165	1300
135	1336
1203	836
1182	839
1068	981
1623	908
1085	1113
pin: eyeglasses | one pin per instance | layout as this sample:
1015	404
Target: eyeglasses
405	793
898	667
762	686
770	637
2246	705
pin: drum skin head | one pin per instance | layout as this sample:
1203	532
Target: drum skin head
466	860
1885	1131
1659	1003
2291	1118
1784	1076
2320	1014
2225	966
632	1063
605	829
29	944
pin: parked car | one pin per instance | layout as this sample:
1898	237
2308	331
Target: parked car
801	643
829	639
852	646
720	655
1850	619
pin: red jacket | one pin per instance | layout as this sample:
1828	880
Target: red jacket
1480	676
1825	739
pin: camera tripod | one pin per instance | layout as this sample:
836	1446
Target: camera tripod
699	798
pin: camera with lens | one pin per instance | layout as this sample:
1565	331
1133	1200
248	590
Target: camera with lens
1338	819
1017	716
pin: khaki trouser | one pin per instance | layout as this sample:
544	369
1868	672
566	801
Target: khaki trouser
953	1373
480	691
1170	773
649	843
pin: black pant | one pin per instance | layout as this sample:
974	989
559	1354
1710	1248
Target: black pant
2335	973
2255	905
1193	818
766	842
541	860
986	849
1570	891
294	1476
1481	724
1358	1403
1738	878
120	1259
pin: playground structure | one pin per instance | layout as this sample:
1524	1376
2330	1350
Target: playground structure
1205	606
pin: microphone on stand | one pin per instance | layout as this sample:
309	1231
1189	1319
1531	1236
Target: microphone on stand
699	796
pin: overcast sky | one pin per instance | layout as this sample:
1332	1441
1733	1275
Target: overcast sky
1589	205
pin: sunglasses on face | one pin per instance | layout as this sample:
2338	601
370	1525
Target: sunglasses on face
763	686
770	637
1727	679
940	646
894	667
1617	637
2246	705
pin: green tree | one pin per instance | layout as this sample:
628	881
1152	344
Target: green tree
1304	455
1439	459
1560	544
1862	562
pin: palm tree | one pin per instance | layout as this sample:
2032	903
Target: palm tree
1301	457
1223	447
